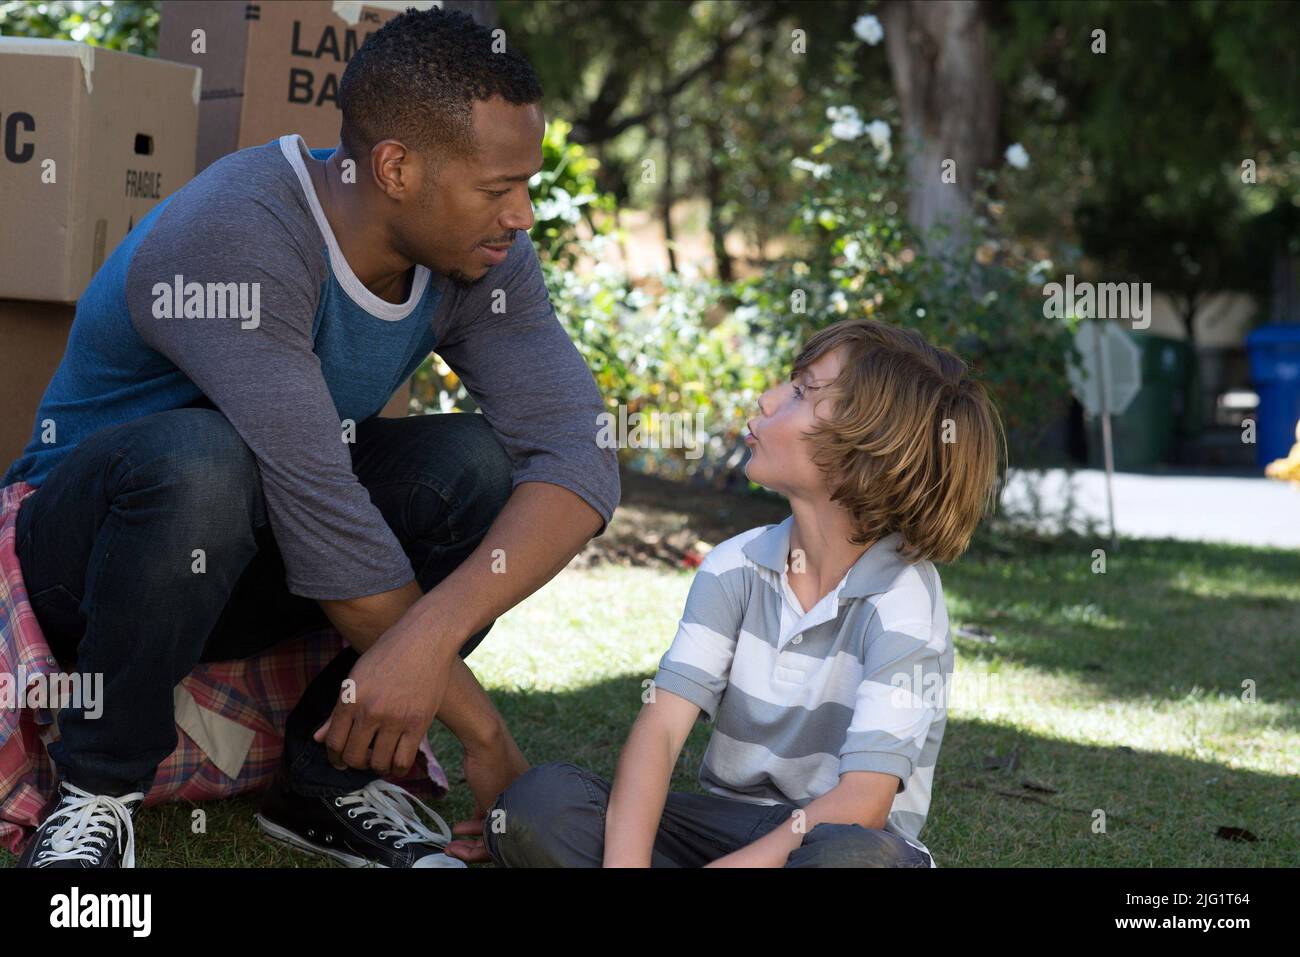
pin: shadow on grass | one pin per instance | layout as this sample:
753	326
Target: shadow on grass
1166	619
1002	797
1035	809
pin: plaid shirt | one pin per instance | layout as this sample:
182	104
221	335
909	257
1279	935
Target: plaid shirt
230	714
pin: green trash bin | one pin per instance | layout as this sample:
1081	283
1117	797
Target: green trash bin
1144	435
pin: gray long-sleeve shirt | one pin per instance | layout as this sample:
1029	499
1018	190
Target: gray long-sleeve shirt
286	342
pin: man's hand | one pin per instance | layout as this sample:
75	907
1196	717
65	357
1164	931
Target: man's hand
398	688
488	771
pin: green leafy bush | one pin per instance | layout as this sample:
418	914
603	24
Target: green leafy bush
127	25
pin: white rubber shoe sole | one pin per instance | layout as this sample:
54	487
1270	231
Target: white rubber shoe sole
285	836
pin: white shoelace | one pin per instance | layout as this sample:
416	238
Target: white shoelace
91	820
391	805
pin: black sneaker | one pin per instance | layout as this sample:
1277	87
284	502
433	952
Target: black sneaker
375	826
85	830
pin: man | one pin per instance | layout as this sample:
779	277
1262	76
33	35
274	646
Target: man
215	410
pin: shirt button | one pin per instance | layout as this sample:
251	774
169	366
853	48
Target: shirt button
797	639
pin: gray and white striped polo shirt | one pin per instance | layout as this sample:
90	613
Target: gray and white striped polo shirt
857	683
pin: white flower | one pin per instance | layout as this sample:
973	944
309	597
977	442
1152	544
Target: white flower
819	170
1017	156
879	132
868	29
559	205
845	122
1039	272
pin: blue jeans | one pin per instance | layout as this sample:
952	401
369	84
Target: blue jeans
553	815
105	547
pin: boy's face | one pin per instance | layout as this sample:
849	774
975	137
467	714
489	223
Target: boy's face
780	455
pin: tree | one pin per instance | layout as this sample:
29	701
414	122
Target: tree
940	58
720	83
1148	113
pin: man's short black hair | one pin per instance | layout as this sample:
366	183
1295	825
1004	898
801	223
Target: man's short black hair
417	77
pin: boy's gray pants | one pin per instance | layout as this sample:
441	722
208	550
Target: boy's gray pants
553	815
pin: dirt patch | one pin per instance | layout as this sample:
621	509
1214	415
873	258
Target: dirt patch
665	523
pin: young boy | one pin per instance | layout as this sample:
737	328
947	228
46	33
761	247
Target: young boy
819	646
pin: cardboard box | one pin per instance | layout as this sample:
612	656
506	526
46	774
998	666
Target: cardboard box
33	336
90	141
269	68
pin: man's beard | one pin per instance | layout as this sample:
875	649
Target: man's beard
463	281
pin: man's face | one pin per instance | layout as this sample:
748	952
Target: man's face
780	456
481	201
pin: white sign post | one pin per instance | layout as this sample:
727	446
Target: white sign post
1111	376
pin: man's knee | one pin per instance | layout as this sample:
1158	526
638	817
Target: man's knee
488	471
194	457
852	845
523	825
467	475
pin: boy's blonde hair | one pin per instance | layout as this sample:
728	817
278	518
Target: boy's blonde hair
896	399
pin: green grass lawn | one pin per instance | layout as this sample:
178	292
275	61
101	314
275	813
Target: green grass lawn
1115	694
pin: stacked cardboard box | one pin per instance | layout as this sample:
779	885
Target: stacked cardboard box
90	141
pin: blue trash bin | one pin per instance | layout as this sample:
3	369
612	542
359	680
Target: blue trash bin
1275	371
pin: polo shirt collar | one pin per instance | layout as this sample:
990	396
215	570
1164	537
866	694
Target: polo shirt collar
874	571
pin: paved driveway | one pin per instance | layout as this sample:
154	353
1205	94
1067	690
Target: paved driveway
1196	507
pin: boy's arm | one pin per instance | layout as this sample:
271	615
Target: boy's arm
645	768
861	797
688	686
